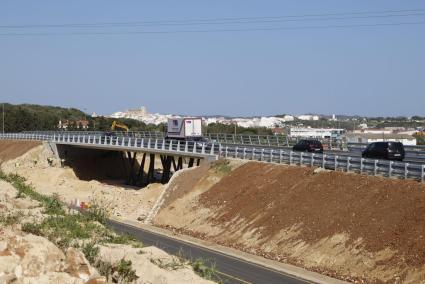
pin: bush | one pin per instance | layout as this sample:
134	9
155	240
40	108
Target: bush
96	213
53	205
32	228
91	252
222	166
11	219
126	271
203	270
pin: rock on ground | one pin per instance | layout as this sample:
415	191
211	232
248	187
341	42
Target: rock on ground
152	265
26	258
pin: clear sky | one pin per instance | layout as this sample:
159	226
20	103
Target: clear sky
358	64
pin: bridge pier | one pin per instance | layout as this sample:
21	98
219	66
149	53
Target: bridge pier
139	180
136	174
151	168
134	167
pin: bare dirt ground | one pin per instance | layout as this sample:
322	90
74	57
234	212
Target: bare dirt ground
10	150
353	227
121	201
27	258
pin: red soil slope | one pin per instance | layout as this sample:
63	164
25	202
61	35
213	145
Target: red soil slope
10	150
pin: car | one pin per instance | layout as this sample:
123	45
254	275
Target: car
305	145
385	150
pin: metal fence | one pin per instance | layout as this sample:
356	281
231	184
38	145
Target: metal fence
328	161
238	139
201	149
177	147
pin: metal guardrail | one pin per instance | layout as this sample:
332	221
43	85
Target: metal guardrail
188	148
239	139
281	156
416	148
328	161
139	134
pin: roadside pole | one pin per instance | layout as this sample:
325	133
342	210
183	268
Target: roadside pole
3	119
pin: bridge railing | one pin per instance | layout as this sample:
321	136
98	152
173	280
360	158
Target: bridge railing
327	161
241	139
201	149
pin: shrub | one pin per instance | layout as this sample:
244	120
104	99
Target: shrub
222	166
91	251
11	219
126	271
96	213
53	205
203	270
32	228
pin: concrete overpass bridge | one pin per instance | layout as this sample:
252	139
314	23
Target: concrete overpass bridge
177	154
136	153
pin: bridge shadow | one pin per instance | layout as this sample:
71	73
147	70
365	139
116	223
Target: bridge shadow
92	164
132	169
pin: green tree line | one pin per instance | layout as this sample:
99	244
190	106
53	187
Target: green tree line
29	117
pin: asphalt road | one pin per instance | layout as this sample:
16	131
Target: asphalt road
230	269
411	157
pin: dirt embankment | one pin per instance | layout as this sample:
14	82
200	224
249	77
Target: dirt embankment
26	258
120	200
346	225
10	150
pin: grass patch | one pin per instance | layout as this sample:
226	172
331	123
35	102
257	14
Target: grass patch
205	271
51	204
91	251
10	219
120	272
203	268
222	166
64	229
173	264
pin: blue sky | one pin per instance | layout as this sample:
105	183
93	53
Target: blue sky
369	70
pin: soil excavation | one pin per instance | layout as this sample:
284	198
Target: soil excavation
349	226
357	228
10	150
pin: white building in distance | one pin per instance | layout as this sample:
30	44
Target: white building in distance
373	137
308	132
308	117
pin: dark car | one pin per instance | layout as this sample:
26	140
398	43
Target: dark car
308	146
384	150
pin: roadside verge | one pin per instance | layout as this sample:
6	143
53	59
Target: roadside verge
260	262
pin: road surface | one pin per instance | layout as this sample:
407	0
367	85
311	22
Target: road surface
230	269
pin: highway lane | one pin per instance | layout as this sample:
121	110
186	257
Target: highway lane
410	157
231	270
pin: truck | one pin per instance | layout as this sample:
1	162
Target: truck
186	128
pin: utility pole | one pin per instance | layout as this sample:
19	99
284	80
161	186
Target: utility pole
3	119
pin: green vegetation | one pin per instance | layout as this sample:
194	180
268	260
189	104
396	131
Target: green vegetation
420	140
124	271
51	204
221	166
352	122
29	117
26	117
91	251
66	230
10	219
205	271
86	231
230	129
199	266
173	264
